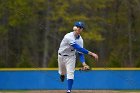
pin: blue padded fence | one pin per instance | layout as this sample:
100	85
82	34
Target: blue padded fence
49	80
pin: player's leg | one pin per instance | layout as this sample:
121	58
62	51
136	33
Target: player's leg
61	68
70	67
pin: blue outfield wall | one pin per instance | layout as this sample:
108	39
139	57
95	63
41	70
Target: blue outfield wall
49	80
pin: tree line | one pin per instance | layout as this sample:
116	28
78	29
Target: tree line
31	31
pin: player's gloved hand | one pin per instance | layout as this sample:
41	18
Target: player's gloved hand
85	67
93	55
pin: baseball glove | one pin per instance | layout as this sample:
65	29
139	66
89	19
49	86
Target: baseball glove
85	68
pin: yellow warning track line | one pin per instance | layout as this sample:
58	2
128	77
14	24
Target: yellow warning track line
30	69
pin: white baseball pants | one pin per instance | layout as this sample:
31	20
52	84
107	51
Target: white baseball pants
66	65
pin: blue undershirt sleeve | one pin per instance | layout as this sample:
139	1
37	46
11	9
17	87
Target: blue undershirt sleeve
81	57
78	48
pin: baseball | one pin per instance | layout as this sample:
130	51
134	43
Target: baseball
74	28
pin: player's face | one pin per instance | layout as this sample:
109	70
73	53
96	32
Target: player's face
79	30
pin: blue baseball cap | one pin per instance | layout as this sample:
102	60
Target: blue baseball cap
79	24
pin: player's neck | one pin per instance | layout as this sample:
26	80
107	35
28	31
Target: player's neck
76	34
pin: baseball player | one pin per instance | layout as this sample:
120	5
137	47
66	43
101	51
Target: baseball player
71	44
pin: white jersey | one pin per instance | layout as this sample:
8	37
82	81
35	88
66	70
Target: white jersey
65	46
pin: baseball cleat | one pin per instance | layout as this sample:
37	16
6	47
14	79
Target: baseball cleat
62	78
68	91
